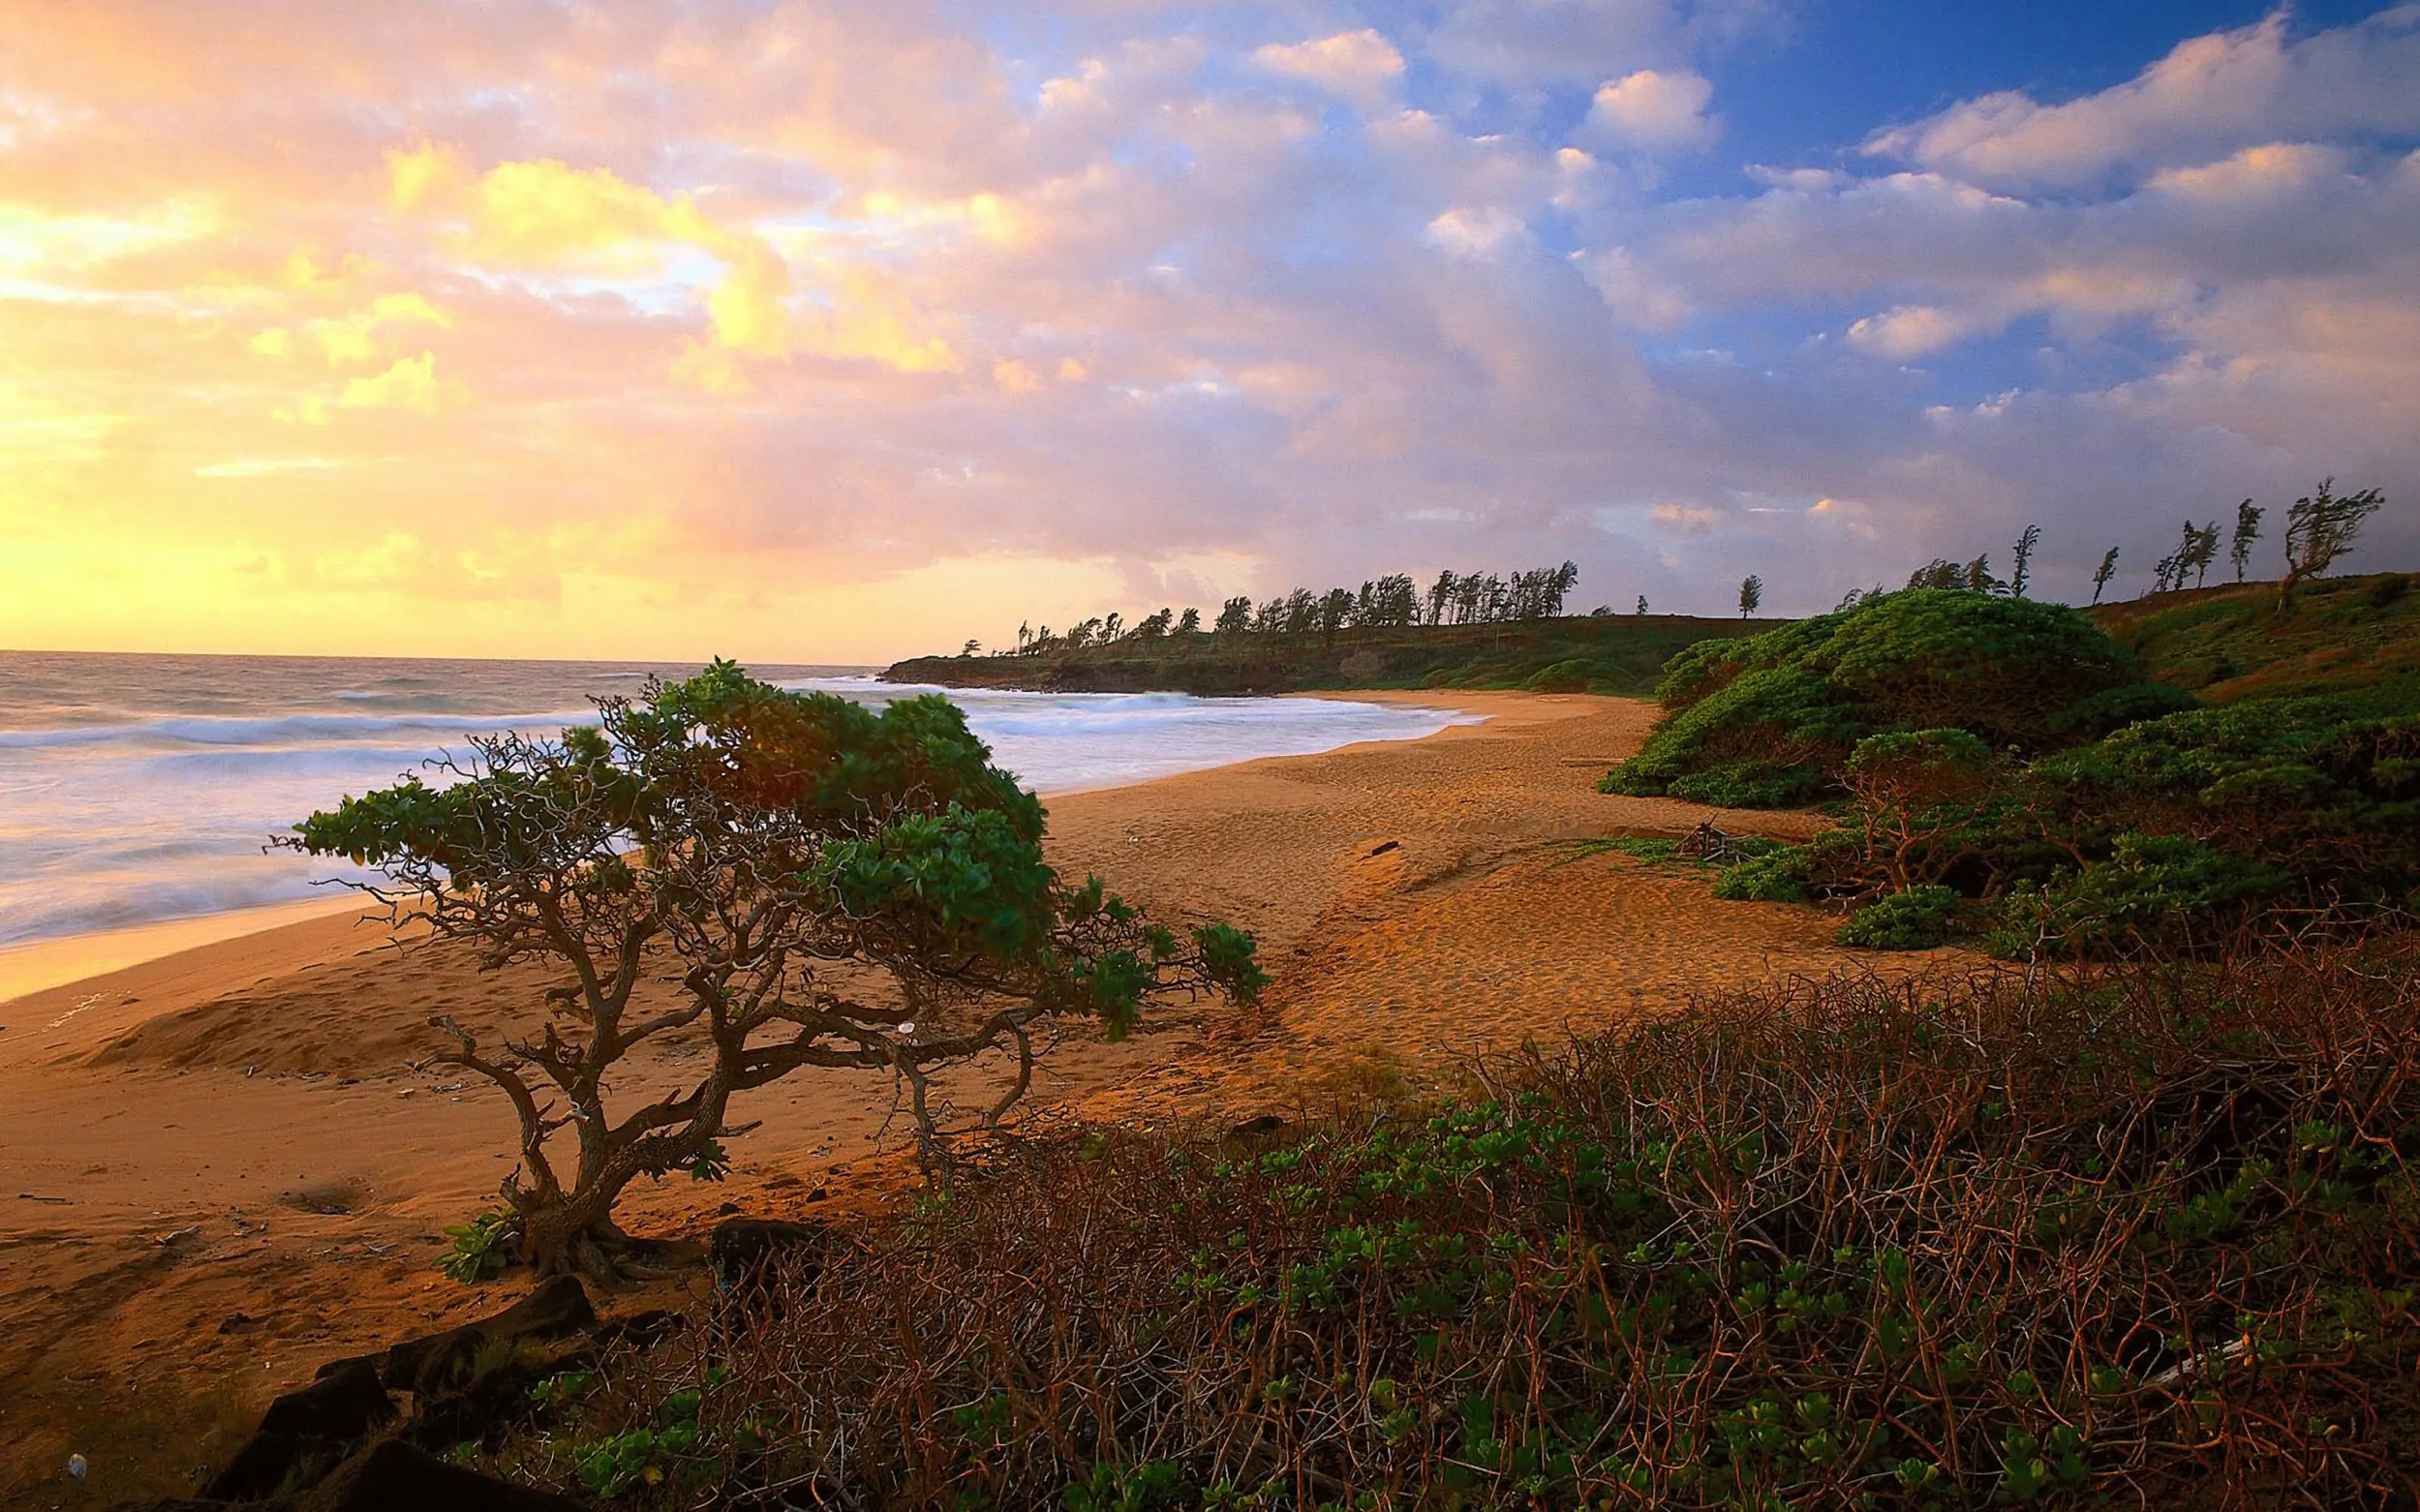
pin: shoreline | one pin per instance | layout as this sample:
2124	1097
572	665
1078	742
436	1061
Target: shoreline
67	961
33	966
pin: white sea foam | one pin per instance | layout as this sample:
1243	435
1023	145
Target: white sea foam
135	789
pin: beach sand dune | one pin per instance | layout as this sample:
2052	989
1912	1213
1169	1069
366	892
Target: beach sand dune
223	1169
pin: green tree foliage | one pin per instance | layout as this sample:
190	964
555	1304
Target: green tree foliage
1772	719
2247	530
2108	569
2320	529
2022	574
1392	602
1751	594
1939	573
754	845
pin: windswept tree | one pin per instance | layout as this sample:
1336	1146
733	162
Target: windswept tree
2319	529
1190	623
829	886
2247	530
2196	550
1335	609
2020	577
1751	594
1234	618
1443	593
1939	573
2108	569
2204	552
1642	606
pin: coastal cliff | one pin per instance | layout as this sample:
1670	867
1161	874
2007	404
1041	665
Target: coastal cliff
1620	654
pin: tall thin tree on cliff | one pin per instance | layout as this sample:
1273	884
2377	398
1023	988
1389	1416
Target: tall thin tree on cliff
2320	529
2023	574
2247	530
2108	570
1751	594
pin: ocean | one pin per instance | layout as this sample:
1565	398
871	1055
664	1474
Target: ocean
139	789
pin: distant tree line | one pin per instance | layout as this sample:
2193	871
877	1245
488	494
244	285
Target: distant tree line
1392	602
2320	528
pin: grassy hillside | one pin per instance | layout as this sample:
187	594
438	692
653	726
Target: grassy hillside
1622	654
2358	637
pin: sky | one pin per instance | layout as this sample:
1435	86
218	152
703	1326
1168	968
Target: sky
842	331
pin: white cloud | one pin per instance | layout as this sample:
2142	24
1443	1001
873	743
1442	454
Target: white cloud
1361	68
1911	330
2208	98
1652	110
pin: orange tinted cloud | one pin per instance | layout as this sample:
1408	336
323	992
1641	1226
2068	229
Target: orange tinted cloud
845	328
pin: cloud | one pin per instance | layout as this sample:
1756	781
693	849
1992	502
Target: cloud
1655	111
1361	68
544	214
842	328
2209	96
411	383
1911	330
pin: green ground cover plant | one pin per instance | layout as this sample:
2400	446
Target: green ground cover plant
2150	1236
1771	720
2167	835
2000	772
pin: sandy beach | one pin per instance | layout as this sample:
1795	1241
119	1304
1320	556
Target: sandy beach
222	1169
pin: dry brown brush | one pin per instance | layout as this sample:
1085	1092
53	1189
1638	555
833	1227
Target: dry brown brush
2143	1240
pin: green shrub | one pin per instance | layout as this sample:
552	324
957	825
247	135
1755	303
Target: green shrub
1769	720
2157	891
1571	676
1917	919
1776	877
2167	833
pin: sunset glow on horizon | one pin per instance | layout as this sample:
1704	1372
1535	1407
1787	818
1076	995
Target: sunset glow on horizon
839	331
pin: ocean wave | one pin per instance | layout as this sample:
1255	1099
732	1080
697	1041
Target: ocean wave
283	729
114	822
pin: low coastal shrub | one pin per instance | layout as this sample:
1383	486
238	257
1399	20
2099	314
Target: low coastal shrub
2169	835
1913	919
1771	720
2150	1236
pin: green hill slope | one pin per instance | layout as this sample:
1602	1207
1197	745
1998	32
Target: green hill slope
2356	638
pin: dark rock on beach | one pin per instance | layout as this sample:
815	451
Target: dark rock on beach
559	1309
318	1424
388	1476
